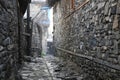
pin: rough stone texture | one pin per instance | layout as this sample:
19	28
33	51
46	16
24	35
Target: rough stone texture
36	40
1	48
40	31
10	18
50	68
94	31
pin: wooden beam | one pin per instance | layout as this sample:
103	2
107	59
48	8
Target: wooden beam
73	4
84	3
97	60
26	34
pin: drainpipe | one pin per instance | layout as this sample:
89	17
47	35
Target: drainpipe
28	30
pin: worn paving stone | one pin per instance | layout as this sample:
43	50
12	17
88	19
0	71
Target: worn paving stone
58	69
1	48
93	31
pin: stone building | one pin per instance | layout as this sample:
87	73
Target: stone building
88	33
12	39
40	29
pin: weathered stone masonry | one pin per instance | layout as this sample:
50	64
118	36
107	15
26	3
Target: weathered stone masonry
11	41
8	38
36	40
92	34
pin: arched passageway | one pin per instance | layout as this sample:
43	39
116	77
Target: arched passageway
59	40
36	40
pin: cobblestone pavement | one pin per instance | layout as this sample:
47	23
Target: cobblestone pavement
49	68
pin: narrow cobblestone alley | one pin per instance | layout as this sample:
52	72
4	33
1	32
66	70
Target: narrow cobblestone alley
50	68
59	39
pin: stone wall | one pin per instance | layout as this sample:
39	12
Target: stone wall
42	23
92	31
10	35
36	40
